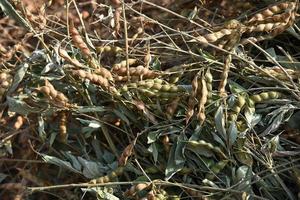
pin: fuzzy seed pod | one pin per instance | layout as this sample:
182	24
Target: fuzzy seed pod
78	41
104	72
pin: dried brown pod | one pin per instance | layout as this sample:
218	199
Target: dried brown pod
202	101
192	99
274	19
19	122
104	72
122	64
78	41
52	94
109	49
63	127
64	54
117	17
126	153
224	76
136	188
270	11
96	79
138	71
5	82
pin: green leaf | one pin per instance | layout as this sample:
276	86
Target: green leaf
220	122
153	136
20	107
243	178
18	78
232	134
91	169
176	157
10	11
41	128
59	162
236	88
153	149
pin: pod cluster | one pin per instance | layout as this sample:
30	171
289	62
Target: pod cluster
52	94
94	78
264	96
155	88
138	71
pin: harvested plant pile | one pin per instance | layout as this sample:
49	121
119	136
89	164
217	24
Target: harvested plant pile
149	99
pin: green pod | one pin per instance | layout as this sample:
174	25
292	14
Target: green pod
274	95
240	101
156	86
160	197
174	78
264	96
232	117
142	83
124	89
236	109
159	81
208	77
209	183
149	84
132	85
256	98
173	197
165	88
173	88
149	93
251	103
